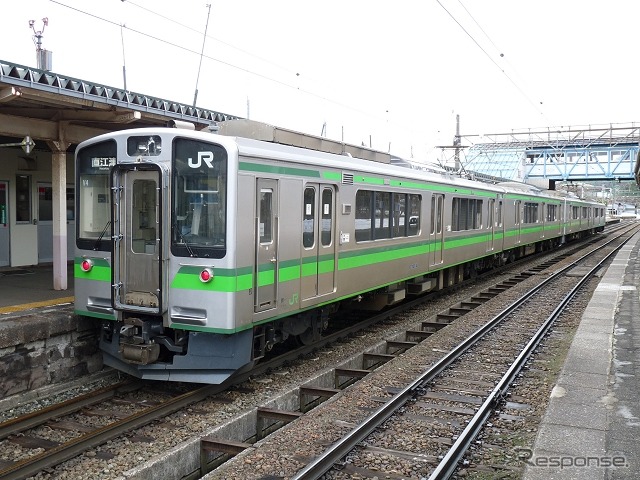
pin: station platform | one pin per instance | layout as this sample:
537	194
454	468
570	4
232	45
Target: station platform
24	288
591	427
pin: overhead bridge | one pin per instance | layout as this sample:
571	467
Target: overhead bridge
572	154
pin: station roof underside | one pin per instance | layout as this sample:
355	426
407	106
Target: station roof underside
54	108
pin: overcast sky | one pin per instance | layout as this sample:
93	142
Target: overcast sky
390	73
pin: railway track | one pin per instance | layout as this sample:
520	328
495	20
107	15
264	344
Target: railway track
147	412
454	403
463	389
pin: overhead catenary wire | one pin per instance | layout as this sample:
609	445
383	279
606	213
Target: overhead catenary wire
473	39
285	84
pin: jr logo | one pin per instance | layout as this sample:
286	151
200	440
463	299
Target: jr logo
294	299
207	157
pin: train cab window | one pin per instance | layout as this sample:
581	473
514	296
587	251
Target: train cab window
309	217
93	198
327	217
199	199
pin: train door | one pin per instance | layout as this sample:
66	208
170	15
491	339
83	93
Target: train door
318	245
266	269
517	221
491	225
5	238
499	222
436	235
136	197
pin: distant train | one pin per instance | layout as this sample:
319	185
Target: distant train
201	251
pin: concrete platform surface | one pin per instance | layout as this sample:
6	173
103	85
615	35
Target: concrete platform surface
23	288
592	425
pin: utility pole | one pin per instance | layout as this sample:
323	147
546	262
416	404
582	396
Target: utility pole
195	95
457	143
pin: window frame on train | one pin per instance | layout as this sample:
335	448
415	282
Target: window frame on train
199	179
383	215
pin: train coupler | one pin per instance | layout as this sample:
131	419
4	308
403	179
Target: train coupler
140	354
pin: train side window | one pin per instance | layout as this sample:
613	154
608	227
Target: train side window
414	215
530	213
499	214
364	217
309	217
477	224
382	219
266	212
399	226
466	214
327	217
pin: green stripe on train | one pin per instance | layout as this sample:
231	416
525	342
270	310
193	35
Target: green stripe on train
242	279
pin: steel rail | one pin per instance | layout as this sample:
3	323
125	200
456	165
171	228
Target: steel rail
449	463
36	418
338	450
32	465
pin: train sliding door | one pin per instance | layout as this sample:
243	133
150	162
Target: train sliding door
436	235
318	245
518	221
136	221
491	225
266	269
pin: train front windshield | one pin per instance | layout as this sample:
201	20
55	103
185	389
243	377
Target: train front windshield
93	200
199	199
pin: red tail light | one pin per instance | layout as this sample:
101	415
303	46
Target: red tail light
206	275
86	265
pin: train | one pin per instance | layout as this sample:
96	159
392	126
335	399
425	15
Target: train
199	251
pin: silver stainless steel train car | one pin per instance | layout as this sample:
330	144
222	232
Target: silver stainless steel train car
200	251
